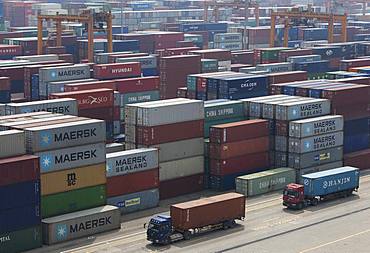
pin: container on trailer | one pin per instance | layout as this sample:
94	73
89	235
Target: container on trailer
314	169
73	157
316	126
20	194
331	181
265	181
303	109
65	135
137	201
27	215
316	158
66	106
131	161
21	240
80	224
71	201
12	143
19	169
316	143
181	168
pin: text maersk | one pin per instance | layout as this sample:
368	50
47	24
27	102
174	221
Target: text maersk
131	164
324	142
311	110
56	109
91	224
75	135
73	72
324	126
75	156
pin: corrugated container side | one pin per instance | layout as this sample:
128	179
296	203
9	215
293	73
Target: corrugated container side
20	218
181	186
12	143
315	143
181	168
314	169
19	169
22	240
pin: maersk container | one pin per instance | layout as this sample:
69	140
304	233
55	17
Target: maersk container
315	143
20	194
181	168
21	240
316	126
71	201
80	224
12	143
50	74
303	109
131	161
222	109
314	169
137	201
315	158
19	218
68	106
78	156
65	135
2	109
139	97
269	108
275	67
147	62
265	181
331	181
257	101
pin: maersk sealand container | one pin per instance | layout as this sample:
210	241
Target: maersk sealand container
243	87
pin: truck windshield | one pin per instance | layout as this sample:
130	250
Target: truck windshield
290	193
153	226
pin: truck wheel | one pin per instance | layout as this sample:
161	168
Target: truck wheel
187	235
315	202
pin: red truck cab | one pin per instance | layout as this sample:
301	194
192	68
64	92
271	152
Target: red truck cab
293	196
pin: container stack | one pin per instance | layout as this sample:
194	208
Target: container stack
175	127
133	179
5	90
230	41
117	70
20	223
237	149
67	106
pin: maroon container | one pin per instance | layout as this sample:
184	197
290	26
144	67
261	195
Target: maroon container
179	50
245	163
90	86
237	66
169	133
352	112
285	77
219	54
137	84
360	159
10	50
180	186
282	127
284	54
117	70
353	63
19	169
357	80
184	44
4	83
246	57
239	148
344	96
133	182
104	113
238	131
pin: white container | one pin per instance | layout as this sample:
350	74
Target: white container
12	143
181	168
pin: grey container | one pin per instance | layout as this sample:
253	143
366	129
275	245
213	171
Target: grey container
57	87
303	109
65	135
256	107
315	143
328	166
2	109
38	58
247	101
131	161
316	126
67	158
275	67
19	123
12	143
137	201
84	223
114	147
181	168
68	106
77	71
269	108
280	159
179	149
316	158
147	62
130	133
281	143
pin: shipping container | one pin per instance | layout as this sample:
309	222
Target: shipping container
12	143
72	201
25	216
139	97
359	159
181	168
314	169
222	109
78	224
315	143
61	86
131	161
139	84
256	103
117	70
20	194
19	169
137	201
66	106
181	186
21	240
264	182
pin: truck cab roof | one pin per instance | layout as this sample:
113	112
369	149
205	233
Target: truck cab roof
294	186
160	219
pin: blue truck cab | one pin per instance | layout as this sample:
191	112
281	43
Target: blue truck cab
159	229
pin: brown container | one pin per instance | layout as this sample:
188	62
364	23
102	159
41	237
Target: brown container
239	148
208	211
352	112
284	54
344	96
19	169
246	57
133	182
357	80
245	163
360	159
282	127
169	133
105	113
285	77
238	131
219	54
90	86
180	186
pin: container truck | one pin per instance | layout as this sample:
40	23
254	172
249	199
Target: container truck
196	217
323	185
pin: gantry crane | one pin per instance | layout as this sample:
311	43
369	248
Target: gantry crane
295	14
92	21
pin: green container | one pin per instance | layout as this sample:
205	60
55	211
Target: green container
225	109
21	240
191	82
271	53
208	125
317	76
72	201
265	181
139	97
209	65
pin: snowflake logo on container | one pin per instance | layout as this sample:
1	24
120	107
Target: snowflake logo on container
294	112
45	139
306	182
325	184
307	145
61	232
53	74
308	129
45	161
26	110
108	167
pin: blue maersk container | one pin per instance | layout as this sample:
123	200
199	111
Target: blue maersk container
18	195
19	218
243	87
331	181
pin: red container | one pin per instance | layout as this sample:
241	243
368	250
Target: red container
347	64
137	84
344	96
105	113
184	44
357	80
169	133
352	112
238	131
285	77
4	83
239	148
180	186
360	159
133	182
246	57
245	163
207	211
10	50
236	66
179	51
19	169
219	54
117	70
89	99
284	54
90	86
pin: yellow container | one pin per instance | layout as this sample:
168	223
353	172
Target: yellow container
73	179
